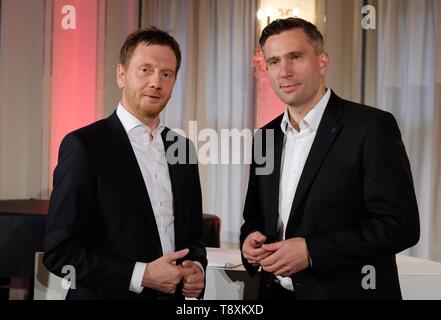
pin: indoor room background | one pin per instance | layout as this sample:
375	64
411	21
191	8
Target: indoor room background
58	64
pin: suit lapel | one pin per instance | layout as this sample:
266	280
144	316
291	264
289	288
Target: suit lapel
327	132
274	178
126	157
174	173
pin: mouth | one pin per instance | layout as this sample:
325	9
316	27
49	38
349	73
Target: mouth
152	97
288	88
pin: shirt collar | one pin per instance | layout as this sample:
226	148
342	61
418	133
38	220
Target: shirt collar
312	119
130	122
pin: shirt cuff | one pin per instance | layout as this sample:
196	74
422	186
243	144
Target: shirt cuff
137	275
200	266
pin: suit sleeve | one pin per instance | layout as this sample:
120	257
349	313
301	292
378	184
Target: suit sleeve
195	243
72	224
392	221
252	214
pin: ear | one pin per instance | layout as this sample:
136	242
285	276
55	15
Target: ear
120	76
324	63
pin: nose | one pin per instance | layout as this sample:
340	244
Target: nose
155	80
285	69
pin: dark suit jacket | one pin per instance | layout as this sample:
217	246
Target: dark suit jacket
355	203
100	217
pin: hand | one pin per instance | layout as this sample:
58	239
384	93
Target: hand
193	279
163	274
252	248
290	256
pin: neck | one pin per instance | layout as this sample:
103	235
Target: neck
298	113
150	121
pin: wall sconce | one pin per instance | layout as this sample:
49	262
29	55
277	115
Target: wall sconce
271	10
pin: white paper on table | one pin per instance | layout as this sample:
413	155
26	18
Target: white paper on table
223	258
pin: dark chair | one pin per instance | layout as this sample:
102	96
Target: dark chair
211	230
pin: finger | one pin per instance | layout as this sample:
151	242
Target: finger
270	260
192	265
273	268
257	235
193	286
187	271
265	255
272	246
195	278
256	239
188	264
282	271
255	253
191	293
259	239
253	239
171	257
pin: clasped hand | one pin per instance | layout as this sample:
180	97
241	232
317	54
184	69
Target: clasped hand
282	258
164	275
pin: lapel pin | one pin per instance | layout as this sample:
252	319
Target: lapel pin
334	130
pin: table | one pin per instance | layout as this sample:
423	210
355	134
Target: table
420	279
228	283
22	227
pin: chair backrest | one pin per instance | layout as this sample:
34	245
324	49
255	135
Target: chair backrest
47	286
211	230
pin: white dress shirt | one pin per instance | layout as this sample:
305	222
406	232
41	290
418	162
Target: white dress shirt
150	153
296	147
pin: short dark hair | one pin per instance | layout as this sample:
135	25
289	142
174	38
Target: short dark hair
148	36
280	25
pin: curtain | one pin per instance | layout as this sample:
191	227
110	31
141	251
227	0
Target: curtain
23	124
408	85
215	87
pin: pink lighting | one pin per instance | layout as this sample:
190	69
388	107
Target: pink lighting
74	69
269	106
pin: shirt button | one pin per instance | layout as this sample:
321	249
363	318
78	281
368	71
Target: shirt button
156	176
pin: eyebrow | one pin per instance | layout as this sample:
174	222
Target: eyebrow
274	58
142	65
289	54
168	70
294	53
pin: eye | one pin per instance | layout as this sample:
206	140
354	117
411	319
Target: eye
145	71
272	63
167	74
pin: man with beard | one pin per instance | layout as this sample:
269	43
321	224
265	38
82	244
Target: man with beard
123	212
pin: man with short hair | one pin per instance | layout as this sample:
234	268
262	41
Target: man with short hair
341	195
121	213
